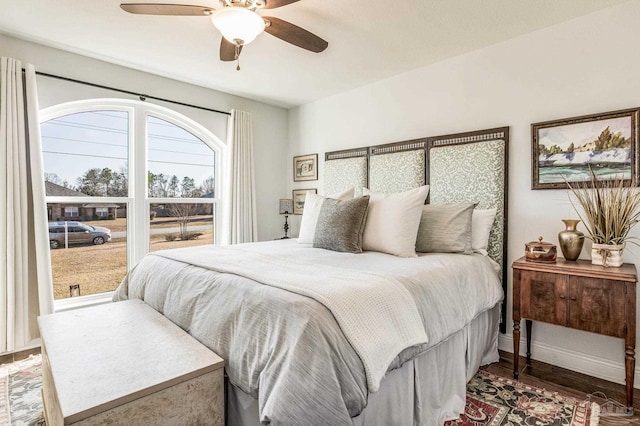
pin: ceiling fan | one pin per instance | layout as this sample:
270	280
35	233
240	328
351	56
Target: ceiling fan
239	23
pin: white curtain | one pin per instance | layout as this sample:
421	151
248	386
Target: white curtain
25	263
240	221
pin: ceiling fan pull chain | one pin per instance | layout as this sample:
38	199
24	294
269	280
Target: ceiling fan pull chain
238	56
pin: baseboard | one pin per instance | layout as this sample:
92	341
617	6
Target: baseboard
576	361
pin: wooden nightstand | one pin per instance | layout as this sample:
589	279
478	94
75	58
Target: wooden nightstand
577	295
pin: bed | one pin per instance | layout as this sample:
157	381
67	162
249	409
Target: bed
401	352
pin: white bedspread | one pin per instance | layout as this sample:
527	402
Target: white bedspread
288	350
377	314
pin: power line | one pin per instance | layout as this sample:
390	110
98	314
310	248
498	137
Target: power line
121	146
83	141
84	126
185	164
152	120
172	138
125	115
85	155
121	158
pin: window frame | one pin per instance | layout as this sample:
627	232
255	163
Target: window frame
71	209
137	199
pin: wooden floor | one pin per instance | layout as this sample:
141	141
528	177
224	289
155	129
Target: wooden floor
568	383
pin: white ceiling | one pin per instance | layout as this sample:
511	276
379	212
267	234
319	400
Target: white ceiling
368	40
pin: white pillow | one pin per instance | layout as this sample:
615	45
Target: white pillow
312	205
393	221
481	224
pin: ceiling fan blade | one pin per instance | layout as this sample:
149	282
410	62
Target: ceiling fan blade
228	51
166	9
295	35
272	4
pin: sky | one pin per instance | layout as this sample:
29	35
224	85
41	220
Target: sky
582	133
75	143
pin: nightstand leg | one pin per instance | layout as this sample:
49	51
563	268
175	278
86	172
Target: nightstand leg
629	366
516	347
528	324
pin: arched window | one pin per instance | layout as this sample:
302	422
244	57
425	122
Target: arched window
124	178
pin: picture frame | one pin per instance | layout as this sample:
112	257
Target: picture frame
299	196
566	149
305	167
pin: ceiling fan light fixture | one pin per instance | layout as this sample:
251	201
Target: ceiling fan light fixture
238	25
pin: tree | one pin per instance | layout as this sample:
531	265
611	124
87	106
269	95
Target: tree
105	177
607	140
208	186
555	149
603	139
571	148
188	187
53	178
174	186
158	185
90	183
120	183
183	212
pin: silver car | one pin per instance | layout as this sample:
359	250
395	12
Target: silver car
77	232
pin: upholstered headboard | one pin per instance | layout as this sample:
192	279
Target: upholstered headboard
473	167
346	169
397	167
463	167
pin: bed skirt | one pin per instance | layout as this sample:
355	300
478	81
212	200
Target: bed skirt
425	391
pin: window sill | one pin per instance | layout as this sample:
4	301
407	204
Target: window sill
72	303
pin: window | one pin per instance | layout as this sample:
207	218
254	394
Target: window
181	172
102	212
70	211
123	178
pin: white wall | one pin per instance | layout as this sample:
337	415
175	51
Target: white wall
270	122
584	66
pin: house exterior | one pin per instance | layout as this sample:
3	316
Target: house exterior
79	211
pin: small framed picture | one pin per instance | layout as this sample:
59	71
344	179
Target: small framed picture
305	167
299	196
566	150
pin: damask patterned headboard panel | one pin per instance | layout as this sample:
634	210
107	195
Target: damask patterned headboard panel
397	167
473	167
463	167
346	169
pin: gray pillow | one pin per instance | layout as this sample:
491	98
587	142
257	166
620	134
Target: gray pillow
445	228
341	224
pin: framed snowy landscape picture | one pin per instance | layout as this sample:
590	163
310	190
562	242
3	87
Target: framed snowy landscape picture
564	150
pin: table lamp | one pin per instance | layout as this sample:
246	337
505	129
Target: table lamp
286	208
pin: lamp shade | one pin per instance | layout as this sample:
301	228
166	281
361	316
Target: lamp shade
238	25
286	206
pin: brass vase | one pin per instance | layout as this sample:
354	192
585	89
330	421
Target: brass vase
571	240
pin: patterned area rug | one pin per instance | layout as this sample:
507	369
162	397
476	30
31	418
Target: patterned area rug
491	401
20	384
494	400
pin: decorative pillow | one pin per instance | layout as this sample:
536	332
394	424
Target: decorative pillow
312	204
393	220
445	228
340	225
481	224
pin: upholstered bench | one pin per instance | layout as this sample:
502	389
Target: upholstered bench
125	364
